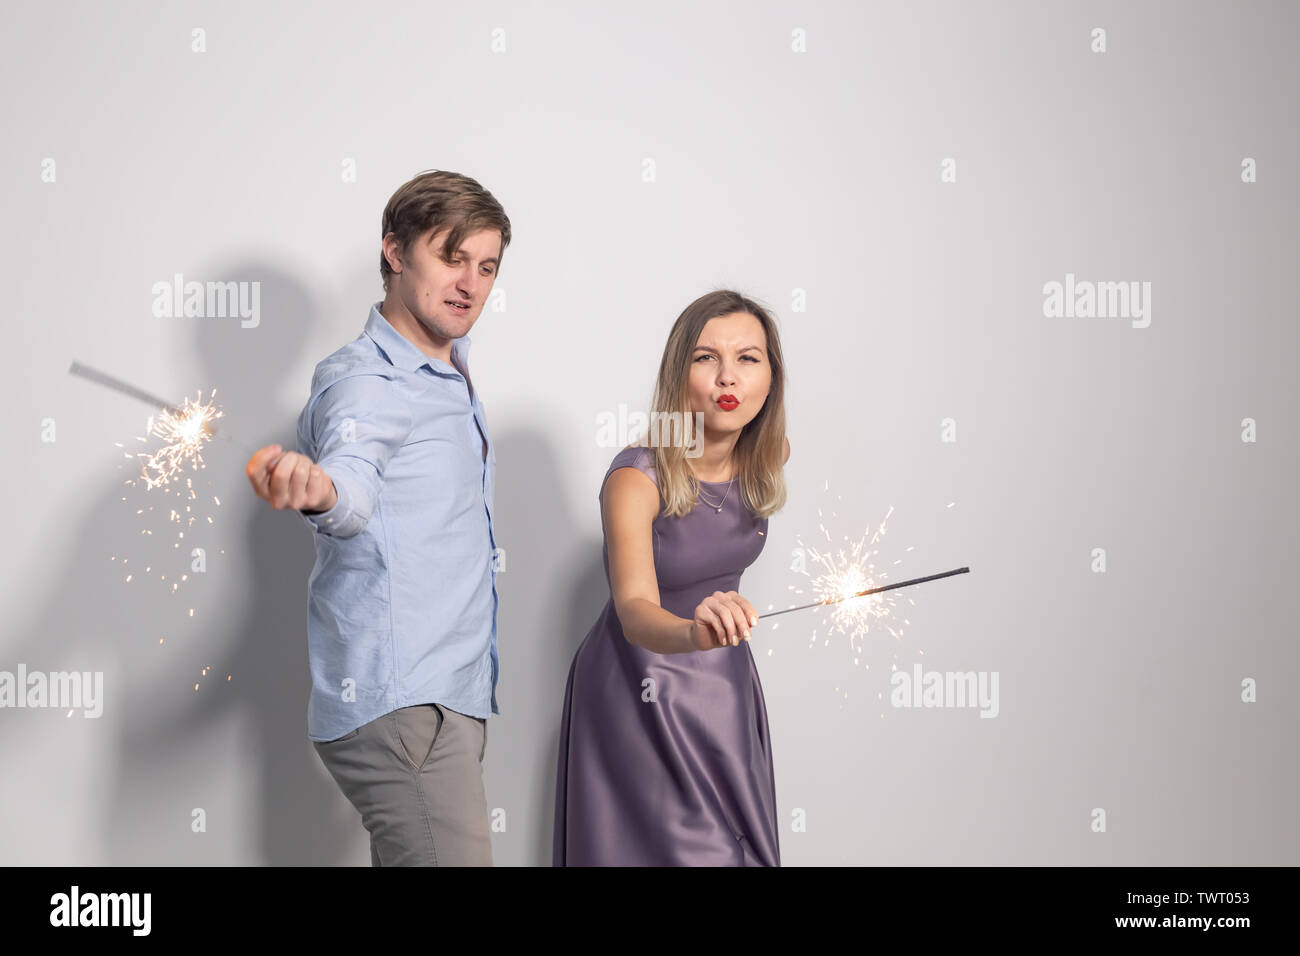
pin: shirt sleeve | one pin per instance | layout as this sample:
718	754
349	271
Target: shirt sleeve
356	427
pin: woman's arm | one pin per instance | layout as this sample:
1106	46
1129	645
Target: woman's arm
631	503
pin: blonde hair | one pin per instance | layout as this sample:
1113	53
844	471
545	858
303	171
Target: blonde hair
760	450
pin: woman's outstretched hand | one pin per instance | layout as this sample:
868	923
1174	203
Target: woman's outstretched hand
722	619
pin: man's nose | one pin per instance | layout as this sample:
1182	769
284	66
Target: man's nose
466	284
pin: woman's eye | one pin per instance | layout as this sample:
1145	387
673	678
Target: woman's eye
698	357
752	358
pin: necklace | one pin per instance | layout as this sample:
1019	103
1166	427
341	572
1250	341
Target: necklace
718	506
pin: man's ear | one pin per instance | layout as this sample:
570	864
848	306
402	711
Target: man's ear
393	253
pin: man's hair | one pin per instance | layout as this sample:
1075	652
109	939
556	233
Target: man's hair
436	199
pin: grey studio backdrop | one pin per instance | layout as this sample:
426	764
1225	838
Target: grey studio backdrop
900	183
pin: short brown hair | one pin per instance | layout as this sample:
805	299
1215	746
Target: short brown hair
435	199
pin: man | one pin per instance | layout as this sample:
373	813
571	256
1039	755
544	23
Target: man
395	478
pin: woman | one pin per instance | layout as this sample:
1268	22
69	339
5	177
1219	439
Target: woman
664	751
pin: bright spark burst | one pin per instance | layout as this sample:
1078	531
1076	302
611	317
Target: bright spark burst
183	435
839	574
184	432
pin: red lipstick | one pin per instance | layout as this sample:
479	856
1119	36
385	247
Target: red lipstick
728	403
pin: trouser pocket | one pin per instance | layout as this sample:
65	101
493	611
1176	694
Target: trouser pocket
418	729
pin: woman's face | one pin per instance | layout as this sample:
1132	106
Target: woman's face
730	374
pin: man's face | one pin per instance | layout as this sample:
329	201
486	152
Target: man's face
433	287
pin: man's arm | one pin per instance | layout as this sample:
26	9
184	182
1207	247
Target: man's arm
355	427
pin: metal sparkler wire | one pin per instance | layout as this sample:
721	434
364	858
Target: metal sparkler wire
171	410
850	597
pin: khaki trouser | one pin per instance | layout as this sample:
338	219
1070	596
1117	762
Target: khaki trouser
416	777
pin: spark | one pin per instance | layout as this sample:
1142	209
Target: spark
840	575
184	432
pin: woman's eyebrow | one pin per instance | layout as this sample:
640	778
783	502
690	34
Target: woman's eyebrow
710	348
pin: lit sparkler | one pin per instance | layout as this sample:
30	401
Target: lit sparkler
183	432
839	586
847	580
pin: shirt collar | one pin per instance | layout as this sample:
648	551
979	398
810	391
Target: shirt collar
404	354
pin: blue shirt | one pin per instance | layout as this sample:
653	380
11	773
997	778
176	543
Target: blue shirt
402	601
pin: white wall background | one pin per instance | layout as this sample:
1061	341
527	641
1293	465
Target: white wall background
776	171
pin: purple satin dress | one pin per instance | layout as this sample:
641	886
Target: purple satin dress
665	759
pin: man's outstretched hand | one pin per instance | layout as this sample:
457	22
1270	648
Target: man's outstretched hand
286	479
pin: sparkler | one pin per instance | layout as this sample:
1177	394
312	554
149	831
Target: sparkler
847	580
849	597
184	430
103	378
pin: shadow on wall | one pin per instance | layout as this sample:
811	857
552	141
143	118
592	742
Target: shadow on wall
551	593
257	636
169	747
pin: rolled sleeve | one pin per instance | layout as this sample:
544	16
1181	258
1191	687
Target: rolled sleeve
355	427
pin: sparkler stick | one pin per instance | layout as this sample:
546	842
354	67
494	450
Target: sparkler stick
183	430
849	597
103	378
203	420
